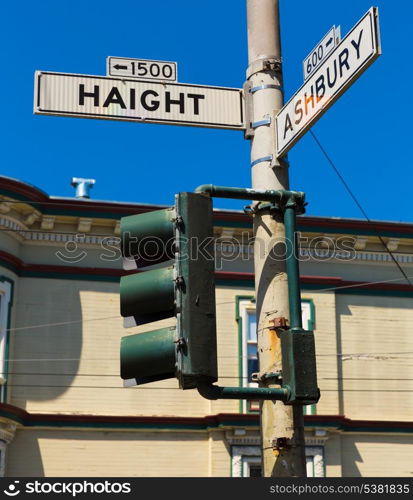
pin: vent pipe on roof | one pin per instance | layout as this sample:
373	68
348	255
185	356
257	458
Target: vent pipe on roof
82	186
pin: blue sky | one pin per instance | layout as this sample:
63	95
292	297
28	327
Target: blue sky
366	132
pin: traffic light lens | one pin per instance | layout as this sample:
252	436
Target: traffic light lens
148	296
148	356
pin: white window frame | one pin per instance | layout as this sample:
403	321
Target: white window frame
5	298
315	455
247	306
3	446
241	457
246	464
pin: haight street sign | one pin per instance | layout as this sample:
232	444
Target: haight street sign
356	52
108	98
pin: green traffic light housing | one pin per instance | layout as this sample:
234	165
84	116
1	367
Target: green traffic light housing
180	239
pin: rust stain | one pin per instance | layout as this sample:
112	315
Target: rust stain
280	322
274	340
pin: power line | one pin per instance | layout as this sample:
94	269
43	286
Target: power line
140	388
37	374
360	285
353	196
63	323
397	355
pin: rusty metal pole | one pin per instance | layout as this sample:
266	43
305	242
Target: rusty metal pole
282	427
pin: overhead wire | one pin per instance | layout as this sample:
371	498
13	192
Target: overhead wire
77	321
221	376
381	390
96	205
353	196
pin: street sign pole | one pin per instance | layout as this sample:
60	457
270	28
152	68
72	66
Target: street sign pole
282	426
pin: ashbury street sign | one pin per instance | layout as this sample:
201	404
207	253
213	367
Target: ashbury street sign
109	98
343	66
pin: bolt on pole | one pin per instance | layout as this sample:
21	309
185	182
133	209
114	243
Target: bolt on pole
282	427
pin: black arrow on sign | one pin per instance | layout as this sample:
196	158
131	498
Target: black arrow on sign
118	66
327	44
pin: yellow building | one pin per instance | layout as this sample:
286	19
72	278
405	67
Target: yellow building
64	410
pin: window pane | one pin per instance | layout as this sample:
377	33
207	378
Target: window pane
252	367
255	471
252	327
252	350
310	466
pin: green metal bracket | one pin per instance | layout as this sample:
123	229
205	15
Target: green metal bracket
274	197
299	376
217	392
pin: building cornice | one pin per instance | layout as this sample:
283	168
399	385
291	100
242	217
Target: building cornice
14	415
101	209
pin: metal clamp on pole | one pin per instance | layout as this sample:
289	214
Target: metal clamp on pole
213	392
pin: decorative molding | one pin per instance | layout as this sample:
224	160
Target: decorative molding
32	218
393	244
48	222
227	233
84	225
16	228
343	256
326	240
232	248
7	431
248	440
5	208
360	243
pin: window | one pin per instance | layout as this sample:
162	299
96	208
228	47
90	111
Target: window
314	457
246	461
252	467
2	457
247	318
5	298
252	358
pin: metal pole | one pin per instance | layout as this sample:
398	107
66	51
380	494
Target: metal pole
282	428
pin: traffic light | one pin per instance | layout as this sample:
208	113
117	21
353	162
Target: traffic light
178	244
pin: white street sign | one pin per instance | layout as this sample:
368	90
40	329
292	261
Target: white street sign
321	51
87	96
143	69
357	51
